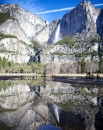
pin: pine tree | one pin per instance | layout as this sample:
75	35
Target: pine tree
101	65
4	62
83	65
0	63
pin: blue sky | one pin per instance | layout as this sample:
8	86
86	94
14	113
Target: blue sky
37	6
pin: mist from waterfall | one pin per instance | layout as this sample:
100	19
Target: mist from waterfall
57	36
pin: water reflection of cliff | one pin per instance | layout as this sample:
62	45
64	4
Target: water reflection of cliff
29	105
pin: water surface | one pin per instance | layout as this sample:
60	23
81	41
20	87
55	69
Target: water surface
32	104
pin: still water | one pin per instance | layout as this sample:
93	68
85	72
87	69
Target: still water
31	104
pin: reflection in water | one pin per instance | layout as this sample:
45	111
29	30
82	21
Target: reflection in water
28	105
49	127
99	117
66	120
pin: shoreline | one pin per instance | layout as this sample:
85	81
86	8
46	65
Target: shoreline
65	78
48	75
59	77
18	74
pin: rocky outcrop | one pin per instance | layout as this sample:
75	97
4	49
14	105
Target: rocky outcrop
65	54
57	59
15	50
85	19
82	18
83	24
47	34
29	22
17	33
12	27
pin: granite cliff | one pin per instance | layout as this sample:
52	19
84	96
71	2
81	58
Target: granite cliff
83	24
84	19
78	33
17	30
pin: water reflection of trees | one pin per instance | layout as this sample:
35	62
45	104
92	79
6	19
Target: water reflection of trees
4	85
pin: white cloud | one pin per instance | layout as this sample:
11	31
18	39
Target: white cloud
58	10
99	4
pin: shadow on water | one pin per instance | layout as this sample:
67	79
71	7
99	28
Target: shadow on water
10	77
99	118
49	127
36	89
4	126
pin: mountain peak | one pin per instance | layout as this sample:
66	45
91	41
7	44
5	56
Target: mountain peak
82	19
85	1
84	16
85	5
10	6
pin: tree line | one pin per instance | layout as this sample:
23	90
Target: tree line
4	62
83	65
11	67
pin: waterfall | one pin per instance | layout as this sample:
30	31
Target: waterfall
57	34
56	112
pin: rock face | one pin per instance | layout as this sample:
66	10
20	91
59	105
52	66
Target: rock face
12	27
65	54
83	17
29	23
17	33
83	23
47	34
16	50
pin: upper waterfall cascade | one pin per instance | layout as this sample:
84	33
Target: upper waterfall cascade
57	34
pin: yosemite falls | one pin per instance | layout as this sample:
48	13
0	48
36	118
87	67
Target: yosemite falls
57	36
